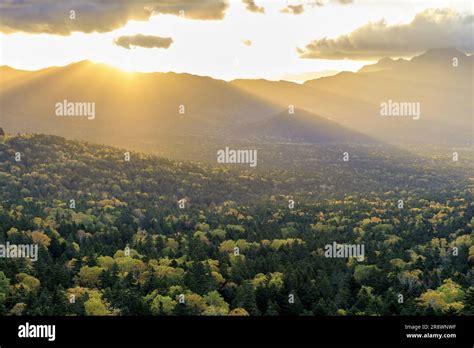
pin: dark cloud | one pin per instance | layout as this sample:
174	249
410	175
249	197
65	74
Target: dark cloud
432	28
146	41
293	9
252	7
192	9
55	16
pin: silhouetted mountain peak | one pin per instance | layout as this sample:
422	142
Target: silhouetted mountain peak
382	64
438	55
302	127
83	62
386	60
434	56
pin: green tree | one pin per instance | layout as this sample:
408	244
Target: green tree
162	305
90	276
245	298
216	305
4	290
96	306
367	303
447	297
469	302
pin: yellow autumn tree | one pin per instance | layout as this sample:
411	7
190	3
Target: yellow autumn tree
448	296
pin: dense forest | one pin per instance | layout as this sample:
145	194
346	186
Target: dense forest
149	236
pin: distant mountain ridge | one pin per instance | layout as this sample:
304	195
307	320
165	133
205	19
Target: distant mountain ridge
303	127
443	89
138	106
145	109
168	108
440	57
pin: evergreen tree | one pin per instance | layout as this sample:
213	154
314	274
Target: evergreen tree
245	298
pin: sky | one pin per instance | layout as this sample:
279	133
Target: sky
229	39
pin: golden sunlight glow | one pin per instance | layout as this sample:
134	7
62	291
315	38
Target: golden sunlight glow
243	45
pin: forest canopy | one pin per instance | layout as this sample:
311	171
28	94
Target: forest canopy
113	239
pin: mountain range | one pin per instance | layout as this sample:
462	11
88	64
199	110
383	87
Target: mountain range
153	109
443	90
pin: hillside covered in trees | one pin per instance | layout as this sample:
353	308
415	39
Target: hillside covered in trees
151	236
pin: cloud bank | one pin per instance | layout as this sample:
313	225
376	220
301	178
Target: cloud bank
66	16
432	28
252	7
293	9
145	41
